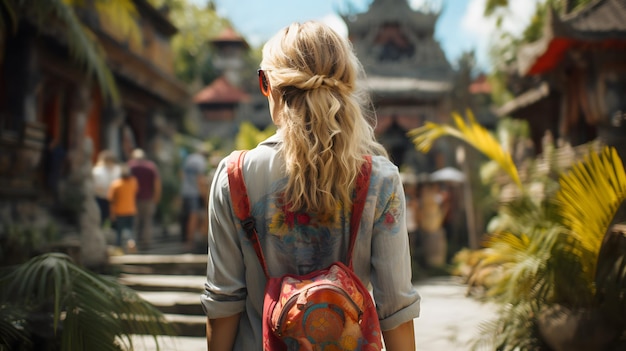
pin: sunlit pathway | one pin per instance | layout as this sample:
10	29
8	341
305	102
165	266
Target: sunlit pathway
449	321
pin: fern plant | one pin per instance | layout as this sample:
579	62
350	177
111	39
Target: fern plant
547	252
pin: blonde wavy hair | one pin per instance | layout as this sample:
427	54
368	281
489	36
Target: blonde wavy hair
326	122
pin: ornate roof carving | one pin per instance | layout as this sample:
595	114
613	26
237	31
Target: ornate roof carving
394	41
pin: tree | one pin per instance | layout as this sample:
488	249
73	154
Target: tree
196	27
81	40
249	136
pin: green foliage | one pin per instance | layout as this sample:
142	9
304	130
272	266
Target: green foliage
20	241
191	45
249	136
491	6
547	250
51	302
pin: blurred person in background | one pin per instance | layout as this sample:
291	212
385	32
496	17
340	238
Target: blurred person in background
104	172
148	195
194	193
122	198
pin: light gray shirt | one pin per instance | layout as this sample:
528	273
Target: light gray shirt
297	244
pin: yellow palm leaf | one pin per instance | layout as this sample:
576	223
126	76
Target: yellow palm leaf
472	133
589	196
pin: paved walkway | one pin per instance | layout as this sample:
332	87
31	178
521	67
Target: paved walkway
449	321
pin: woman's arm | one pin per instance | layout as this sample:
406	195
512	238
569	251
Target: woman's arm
221	333
401	338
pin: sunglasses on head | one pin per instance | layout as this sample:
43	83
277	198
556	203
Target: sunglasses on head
264	83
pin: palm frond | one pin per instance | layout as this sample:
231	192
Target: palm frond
85	48
94	310
590	194
83	44
12	330
513	330
472	133
611	276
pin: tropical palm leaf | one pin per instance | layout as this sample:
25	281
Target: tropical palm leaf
590	194
83	46
96	312
11	330
472	133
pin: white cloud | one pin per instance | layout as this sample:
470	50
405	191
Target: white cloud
516	17
434	5
336	23
515	20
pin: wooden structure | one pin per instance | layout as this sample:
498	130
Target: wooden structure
581	63
408	75
218	103
53	120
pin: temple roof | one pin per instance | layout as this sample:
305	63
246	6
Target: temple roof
398	51
220	91
480	85
600	23
383	11
230	36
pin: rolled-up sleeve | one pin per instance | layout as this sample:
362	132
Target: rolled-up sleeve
225	287
397	300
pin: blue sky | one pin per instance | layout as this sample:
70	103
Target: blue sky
461	26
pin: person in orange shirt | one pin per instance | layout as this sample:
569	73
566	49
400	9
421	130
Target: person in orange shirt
122	197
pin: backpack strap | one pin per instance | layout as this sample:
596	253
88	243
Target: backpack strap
362	186
241	204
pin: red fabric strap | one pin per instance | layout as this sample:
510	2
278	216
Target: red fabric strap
241	203
362	186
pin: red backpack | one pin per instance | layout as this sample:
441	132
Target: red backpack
328	309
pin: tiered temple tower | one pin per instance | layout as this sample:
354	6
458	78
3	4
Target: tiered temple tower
408	75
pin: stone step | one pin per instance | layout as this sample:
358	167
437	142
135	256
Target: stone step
154	282
166	343
182	264
174	302
179	324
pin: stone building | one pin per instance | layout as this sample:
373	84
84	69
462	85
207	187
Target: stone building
54	121
408	75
